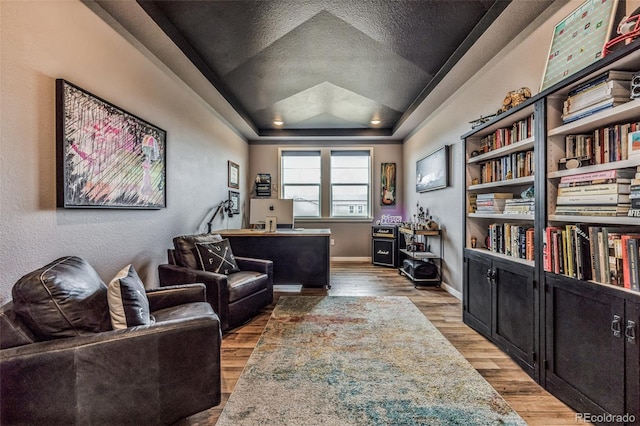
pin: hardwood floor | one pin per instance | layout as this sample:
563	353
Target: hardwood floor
535	405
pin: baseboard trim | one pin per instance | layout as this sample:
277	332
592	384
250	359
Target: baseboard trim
351	259
452	291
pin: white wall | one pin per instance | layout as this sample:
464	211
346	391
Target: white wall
45	40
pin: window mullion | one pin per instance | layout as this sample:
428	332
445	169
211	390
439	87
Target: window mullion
325	188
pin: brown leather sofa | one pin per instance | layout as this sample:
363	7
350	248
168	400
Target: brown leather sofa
62	363
236	297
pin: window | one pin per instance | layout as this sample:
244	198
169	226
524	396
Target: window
350	182
301	178
327	182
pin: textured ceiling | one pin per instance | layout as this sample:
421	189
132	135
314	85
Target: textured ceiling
325	68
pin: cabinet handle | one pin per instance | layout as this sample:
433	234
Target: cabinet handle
615	326
489	275
630	331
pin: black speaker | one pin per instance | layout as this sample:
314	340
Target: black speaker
384	252
635	86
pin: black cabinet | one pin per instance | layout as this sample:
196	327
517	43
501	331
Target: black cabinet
632	358
591	359
514	312
500	303
477	293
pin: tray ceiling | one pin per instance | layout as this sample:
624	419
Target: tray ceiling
324	68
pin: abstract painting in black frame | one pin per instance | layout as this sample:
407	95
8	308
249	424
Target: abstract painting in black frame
106	157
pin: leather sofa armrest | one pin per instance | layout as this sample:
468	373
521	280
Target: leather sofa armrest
256	265
115	377
164	297
217	289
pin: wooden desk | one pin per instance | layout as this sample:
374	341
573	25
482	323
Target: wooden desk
300	256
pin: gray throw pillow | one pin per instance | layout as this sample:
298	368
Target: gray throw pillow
128	303
217	257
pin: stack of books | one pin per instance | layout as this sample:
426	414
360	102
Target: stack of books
604	193
493	202
634	196
524	206
608	255
605	91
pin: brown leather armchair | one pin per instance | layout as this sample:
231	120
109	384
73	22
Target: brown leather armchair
62	363
236	297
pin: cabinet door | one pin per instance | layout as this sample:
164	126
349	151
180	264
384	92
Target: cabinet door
632	355
477	293
585	360
513	325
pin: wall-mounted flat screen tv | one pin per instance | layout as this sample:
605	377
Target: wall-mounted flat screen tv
432	172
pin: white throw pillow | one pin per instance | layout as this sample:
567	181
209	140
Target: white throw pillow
128	304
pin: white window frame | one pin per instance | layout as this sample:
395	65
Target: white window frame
325	182
282	185
352	208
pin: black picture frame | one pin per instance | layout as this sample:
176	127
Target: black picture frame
234	202
233	170
106	157
432	171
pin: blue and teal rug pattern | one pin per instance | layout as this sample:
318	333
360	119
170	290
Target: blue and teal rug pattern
359	361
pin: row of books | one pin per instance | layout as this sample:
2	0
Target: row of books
578	146
604	193
607	255
516	165
519	131
605	145
512	240
605	91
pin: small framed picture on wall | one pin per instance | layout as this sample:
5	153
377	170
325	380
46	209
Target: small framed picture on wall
234	205
234	175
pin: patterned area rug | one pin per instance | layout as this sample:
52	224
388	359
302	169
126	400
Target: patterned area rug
359	361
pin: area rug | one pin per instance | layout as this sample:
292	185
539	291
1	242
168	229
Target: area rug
331	360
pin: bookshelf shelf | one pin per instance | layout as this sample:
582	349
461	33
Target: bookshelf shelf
485	252
627	111
503	183
604	220
634	162
509	149
502	216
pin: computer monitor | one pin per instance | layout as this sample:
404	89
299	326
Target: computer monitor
281	209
